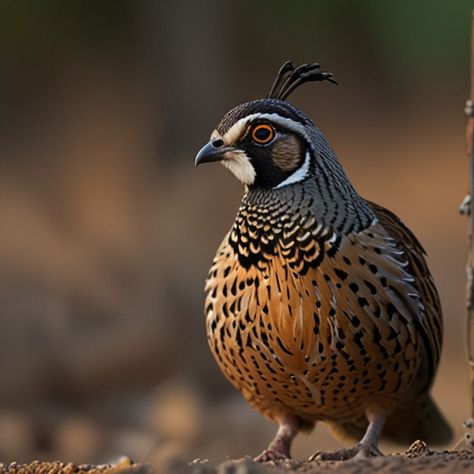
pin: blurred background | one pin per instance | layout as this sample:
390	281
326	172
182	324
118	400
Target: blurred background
108	230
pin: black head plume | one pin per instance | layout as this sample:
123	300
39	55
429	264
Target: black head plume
289	78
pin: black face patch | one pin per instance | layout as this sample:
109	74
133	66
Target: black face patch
278	159
275	162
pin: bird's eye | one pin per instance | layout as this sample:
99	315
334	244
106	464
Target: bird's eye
263	134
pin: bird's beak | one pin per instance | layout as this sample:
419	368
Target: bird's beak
209	153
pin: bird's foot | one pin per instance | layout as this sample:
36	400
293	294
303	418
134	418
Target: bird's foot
279	448
359	451
271	455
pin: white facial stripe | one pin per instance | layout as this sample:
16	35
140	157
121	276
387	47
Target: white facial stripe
299	174
215	134
239	164
232	136
236	131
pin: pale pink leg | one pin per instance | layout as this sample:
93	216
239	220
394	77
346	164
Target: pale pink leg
280	446
367	447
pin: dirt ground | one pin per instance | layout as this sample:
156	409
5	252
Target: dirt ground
417	459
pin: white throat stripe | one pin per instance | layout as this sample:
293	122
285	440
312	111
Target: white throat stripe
239	164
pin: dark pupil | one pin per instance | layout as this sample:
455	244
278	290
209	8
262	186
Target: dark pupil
262	134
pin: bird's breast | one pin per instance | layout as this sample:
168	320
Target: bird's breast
300	324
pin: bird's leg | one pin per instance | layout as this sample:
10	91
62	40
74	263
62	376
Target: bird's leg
280	446
367	446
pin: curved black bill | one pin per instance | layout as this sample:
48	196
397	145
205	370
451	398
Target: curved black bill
209	153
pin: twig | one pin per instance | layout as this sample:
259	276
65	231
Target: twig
466	209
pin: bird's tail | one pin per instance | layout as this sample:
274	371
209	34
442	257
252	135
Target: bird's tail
416	417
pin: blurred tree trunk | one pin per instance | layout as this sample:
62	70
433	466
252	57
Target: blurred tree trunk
470	260
194	66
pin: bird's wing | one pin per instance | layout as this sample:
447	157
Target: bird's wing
430	325
355	291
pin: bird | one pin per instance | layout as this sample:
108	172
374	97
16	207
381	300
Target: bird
319	304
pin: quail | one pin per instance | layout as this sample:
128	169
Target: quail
319	303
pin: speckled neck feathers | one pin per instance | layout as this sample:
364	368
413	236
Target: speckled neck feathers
322	207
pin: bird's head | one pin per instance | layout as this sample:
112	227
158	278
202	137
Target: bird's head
268	143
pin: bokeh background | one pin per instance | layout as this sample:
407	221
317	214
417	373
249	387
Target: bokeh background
108	230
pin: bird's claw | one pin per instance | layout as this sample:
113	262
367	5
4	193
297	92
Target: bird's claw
271	455
357	452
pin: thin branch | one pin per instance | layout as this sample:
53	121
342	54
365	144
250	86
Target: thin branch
467	209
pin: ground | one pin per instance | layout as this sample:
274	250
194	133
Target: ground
417	459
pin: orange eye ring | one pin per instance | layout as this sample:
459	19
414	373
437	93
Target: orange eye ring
263	134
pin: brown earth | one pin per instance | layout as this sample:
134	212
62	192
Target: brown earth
417	459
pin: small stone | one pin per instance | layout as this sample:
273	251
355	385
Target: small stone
241	466
418	448
199	461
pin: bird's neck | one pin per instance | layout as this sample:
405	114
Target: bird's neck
331	205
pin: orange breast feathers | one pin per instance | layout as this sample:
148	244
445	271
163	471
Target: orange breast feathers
362	303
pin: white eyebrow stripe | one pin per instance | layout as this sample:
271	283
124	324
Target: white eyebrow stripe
300	174
235	132
215	134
